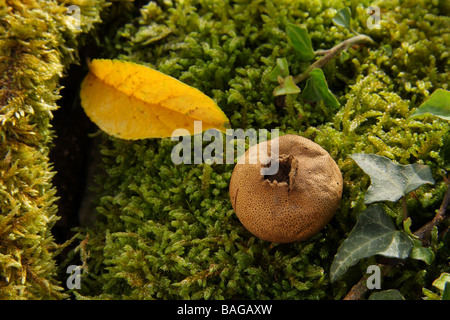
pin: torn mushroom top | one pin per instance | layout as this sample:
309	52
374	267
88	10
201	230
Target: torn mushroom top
293	202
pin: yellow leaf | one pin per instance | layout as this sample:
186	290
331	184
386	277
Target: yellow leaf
132	101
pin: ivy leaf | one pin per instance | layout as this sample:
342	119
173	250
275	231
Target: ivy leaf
419	252
316	89
343	18
440	282
391	181
287	87
374	233
438	104
443	285
281	70
300	40
391	294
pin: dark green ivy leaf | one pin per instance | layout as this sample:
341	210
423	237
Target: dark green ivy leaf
317	89
391	181
438	104
374	233
343	18
299	39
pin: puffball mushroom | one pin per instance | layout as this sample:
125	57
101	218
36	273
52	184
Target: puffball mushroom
294	203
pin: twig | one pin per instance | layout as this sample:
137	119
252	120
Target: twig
330	54
405	208
360	289
425	231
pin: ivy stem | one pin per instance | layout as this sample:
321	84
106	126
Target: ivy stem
360	289
331	53
425	231
405	208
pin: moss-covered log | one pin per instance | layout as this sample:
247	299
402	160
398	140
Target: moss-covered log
37	43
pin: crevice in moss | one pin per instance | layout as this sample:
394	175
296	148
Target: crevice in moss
70	154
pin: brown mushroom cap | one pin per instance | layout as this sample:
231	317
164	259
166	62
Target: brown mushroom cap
297	201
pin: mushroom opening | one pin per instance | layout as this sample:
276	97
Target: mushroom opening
284	168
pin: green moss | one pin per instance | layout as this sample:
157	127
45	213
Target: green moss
168	231
37	42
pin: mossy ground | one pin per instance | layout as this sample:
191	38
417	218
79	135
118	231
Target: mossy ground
165	231
168	231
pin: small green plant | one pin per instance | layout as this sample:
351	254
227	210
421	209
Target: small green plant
437	104
316	87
